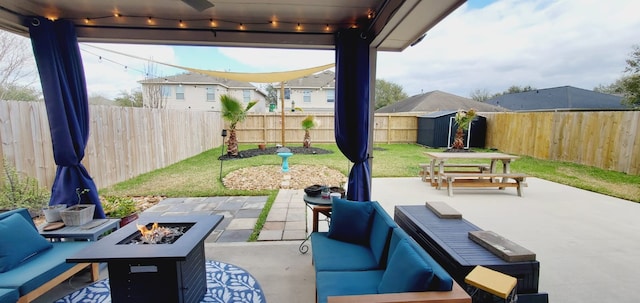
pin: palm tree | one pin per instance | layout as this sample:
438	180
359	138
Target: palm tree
463	120
307	124
233	112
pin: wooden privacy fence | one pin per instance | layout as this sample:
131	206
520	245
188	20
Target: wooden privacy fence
608	140
124	142
267	128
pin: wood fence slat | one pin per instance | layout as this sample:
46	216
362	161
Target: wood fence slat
126	142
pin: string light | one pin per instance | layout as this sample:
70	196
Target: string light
124	66
222	24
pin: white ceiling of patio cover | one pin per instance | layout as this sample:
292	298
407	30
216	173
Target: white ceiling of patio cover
308	24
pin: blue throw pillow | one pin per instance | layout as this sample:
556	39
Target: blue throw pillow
18	241
350	221
406	271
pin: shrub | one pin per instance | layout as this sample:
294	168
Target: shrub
118	207
18	191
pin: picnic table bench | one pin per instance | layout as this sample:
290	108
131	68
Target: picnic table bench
468	179
425	171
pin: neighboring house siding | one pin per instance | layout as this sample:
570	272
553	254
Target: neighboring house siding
314	93
199	92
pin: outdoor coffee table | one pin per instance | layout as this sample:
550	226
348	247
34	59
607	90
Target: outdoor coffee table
448	242
91	231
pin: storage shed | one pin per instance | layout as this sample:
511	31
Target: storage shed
438	129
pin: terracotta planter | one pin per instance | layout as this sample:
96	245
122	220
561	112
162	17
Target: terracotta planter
262	146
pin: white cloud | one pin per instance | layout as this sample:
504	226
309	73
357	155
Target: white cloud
107	76
539	43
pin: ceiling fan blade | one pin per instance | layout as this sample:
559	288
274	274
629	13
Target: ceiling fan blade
198	5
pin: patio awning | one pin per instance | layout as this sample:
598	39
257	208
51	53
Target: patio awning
270	77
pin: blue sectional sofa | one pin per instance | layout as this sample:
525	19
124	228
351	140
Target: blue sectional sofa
365	257
29	264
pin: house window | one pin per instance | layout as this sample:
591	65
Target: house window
179	92
331	95
211	94
246	95
166	91
306	96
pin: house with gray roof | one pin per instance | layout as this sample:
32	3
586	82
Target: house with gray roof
437	101
312	93
559	98
195	91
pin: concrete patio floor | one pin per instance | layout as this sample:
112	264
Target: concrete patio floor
586	243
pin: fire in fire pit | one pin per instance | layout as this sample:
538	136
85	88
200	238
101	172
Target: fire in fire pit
157	233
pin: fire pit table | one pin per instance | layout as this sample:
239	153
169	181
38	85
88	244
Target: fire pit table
167	271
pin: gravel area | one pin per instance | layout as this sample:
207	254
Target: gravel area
271	177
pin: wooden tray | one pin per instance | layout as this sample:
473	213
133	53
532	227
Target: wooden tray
53	226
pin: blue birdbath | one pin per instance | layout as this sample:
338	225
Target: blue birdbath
285	161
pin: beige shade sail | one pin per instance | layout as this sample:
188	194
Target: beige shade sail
245	77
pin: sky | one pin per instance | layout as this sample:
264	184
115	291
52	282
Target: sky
483	45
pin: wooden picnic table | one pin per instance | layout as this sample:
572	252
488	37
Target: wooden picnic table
438	160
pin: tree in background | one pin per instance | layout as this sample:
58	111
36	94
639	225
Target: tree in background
614	88
233	112
631	83
483	95
20	93
127	99
154	91
388	93
480	95
628	86
513	89
17	68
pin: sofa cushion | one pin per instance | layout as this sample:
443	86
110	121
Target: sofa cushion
441	281
42	268
344	283
350	221
406	271
8	295
381	226
19	241
352	257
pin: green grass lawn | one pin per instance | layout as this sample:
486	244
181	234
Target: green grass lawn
199	176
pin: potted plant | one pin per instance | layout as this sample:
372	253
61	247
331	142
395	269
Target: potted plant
123	208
